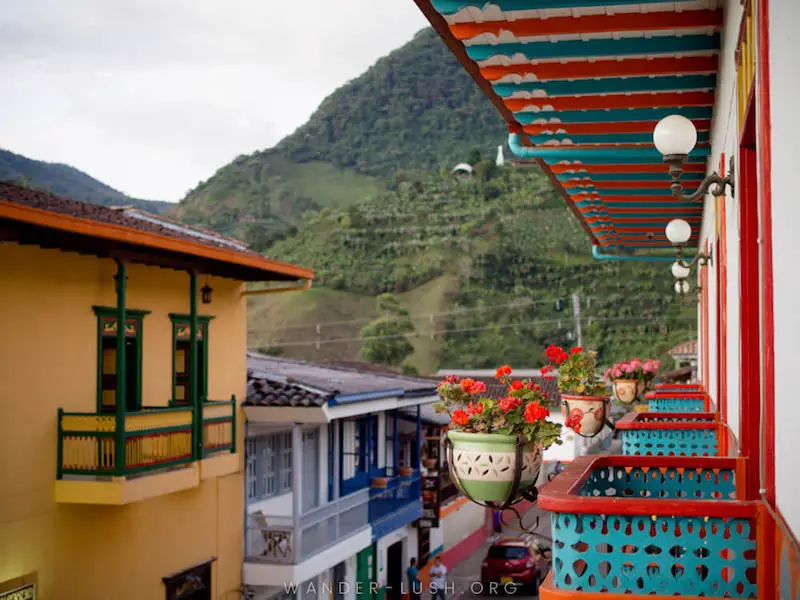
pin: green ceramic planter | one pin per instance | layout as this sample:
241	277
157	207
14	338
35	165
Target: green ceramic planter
485	463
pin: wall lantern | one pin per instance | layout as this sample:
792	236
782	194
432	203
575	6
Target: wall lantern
206	293
681	287
675	137
678	233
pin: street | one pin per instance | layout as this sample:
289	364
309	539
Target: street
464	579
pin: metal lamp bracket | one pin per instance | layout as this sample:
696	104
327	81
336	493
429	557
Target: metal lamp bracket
713	183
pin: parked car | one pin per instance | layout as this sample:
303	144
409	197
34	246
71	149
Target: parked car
510	561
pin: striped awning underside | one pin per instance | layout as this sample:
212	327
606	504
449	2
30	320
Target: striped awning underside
590	79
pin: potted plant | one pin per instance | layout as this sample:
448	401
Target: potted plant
380	483
649	373
624	382
406	471
429	463
584	402
486	434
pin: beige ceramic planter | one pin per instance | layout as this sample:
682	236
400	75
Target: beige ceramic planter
591	409
626	391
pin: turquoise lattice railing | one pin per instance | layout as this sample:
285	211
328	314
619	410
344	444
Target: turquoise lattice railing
670	434
657	526
676	404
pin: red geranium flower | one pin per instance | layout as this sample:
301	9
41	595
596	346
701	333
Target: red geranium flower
460	417
502	372
509	403
475	409
535	412
576	350
473	387
517	385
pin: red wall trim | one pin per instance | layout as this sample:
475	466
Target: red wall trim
722	305
749	413
765	181
767	314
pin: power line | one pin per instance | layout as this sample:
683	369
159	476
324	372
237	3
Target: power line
432	333
518	304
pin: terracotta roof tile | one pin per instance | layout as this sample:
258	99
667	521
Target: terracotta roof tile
121	216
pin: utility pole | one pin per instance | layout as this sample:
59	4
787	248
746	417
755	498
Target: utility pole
576	310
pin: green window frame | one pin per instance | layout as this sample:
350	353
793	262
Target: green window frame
106	354
181	336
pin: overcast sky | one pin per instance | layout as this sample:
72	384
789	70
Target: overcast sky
152	96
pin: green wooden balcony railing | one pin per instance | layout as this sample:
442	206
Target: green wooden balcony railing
153	438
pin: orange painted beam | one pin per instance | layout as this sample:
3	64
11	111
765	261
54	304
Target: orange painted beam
609	101
654	21
690	220
613	127
589	69
654	168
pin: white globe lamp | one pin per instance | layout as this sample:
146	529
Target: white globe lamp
675	135
682	287
678	232
679	271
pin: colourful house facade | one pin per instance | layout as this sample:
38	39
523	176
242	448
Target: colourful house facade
122	471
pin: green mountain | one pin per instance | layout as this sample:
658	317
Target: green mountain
414	109
485	268
67	181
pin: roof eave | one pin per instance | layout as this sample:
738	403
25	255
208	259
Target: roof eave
260	268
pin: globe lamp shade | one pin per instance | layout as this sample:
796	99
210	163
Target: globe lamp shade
678	232
675	134
682	287
679	271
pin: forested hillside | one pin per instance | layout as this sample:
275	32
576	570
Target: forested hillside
67	181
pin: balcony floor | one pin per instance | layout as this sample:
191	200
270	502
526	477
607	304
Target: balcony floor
116	491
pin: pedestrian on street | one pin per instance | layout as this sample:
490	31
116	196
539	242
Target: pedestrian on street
498	522
414	584
438	579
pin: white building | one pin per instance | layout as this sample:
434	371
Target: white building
330	507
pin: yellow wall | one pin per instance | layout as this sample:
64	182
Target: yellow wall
48	358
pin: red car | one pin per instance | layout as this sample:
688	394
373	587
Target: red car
511	563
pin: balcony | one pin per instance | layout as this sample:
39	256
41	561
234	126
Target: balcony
279	550
396	506
151	456
660	526
671	434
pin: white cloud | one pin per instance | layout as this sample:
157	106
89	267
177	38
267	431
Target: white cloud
152	96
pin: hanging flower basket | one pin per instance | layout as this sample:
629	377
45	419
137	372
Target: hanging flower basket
494	447
406	471
429	463
487	465
380	483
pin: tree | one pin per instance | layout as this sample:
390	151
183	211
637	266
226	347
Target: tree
384	341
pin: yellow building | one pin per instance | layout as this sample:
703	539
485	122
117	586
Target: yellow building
121	473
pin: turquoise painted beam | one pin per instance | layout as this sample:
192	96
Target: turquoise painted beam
605	138
665	191
612	116
595	155
615	85
598	47
450	7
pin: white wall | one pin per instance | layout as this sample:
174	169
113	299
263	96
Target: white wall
462	523
408	536
724	139
784	16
